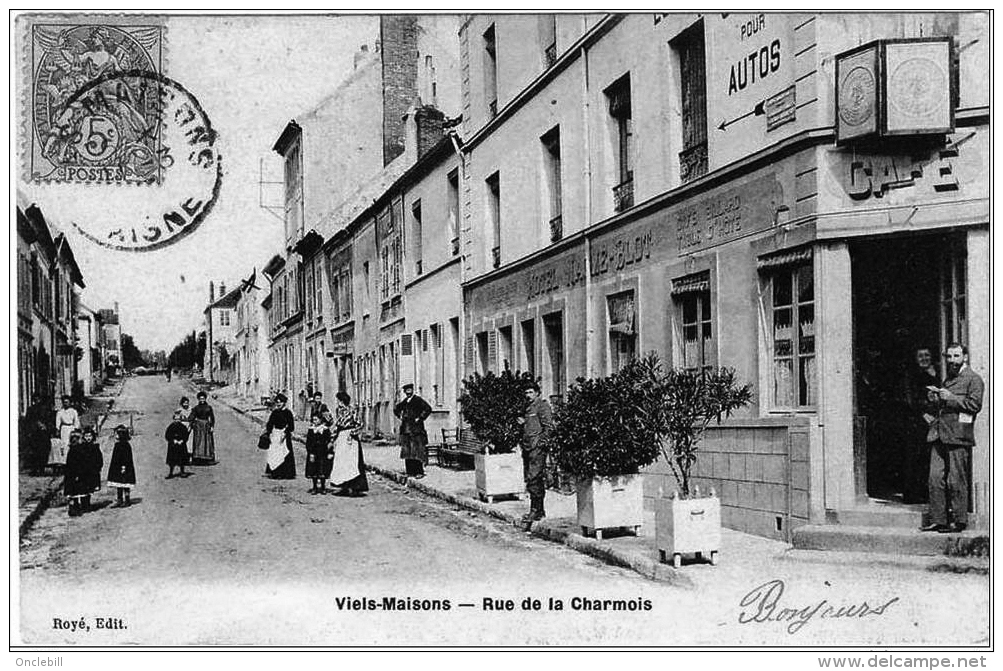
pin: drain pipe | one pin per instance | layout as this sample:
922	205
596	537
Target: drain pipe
589	330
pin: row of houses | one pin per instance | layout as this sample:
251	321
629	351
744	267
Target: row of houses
63	347
802	197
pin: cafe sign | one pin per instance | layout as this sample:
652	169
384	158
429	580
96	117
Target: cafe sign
895	87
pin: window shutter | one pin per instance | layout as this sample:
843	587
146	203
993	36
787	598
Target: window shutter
424	340
468	353
492	349
407	346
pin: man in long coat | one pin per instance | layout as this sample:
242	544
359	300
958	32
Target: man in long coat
412	412
537	424
952	409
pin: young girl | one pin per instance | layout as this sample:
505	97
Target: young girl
121	471
319	457
177	445
83	472
74	475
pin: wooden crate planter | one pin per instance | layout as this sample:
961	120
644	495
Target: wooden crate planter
499	475
610	503
688	526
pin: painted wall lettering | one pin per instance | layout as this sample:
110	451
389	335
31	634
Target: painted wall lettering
759	63
618	252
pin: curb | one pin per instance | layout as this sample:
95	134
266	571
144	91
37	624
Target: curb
55	485
649	568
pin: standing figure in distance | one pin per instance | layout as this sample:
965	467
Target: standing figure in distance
952	437
177	446
412	411
281	462
537	424
203	422
121	469
75	476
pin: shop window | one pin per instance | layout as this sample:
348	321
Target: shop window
791	291
621	312
505	346
618	98
528	329
953	308
691	295
553	341
693	90
483	360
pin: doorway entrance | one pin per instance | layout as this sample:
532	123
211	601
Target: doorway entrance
908	294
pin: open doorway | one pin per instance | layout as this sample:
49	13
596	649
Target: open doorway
901	285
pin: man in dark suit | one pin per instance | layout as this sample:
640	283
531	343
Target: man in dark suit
537	424
412	411
952	411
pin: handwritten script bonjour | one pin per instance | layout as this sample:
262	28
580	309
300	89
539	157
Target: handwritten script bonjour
762	604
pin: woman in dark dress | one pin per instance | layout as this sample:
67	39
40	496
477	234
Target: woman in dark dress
319	457
349	468
95	460
121	470
177	446
281	463
203	421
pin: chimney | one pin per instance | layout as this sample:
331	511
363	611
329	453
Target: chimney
423	128
222	290
399	44
212	295
116	308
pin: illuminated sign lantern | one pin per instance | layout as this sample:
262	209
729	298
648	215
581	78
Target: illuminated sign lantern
895	87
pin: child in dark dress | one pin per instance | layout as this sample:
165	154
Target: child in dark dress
177	446
74	475
319	456
83	472
121	470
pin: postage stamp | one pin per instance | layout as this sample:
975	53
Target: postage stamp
115	133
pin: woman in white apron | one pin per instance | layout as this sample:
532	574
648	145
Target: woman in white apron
281	463
67	420
349	472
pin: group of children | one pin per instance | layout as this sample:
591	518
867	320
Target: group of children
82	473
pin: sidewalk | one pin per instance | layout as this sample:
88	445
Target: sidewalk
35	492
739	551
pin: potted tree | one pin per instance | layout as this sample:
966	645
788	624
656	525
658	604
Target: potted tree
604	433
492	405
687	522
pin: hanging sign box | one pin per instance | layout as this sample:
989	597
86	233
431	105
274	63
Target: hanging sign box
895	87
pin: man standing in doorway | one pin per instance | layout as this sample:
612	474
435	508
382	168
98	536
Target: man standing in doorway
952	410
536	427
412	411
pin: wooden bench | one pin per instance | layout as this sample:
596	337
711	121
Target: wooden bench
458	448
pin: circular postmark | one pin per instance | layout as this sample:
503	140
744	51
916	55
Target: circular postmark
918	86
184	163
856	96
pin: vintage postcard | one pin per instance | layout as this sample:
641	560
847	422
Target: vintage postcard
593	330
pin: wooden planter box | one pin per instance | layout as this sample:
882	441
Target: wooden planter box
684	526
610	503
499	475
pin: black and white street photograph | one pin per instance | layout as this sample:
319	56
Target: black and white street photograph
518	331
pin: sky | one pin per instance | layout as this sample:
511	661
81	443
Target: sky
251	75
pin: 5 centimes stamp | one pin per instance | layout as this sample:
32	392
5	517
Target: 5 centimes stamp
112	135
189	158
